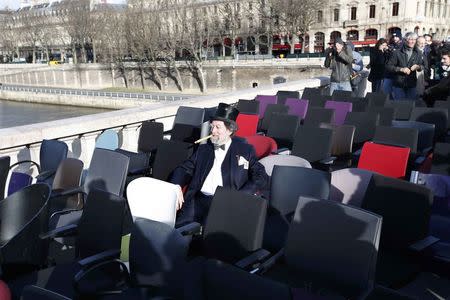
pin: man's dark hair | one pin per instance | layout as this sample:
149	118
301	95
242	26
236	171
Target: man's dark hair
445	51
426	34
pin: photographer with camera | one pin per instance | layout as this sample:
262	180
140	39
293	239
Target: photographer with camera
339	59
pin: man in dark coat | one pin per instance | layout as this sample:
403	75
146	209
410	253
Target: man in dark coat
441	90
403	65
223	161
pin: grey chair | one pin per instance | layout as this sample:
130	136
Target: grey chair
248	106
377	99
349	186
403	108
271	111
269	162
436	116
386	114
341	263
316	116
365	124
425	134
313	144
282	129
395	136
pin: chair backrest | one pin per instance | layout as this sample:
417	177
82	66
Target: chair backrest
288	183
377	99
68	176
17	181
269	162
234	226
386	114
209	113
405	208
4	170
425	132
297	107
340	110
318	101
189	115
248	106
265	100
384	159
271	110
282	129
24	215
32	292
263	145
52	153
312	144
107	172
283	95
185	133
247	124
436	116
349	186
441	159
341	95
108	139
365	124
153	199
342	141
168	156
150	136
317	115
309	93
157	254
403	108
345	254
444	104
101	223
403	137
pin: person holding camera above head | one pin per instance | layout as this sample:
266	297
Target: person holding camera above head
403	66
339	59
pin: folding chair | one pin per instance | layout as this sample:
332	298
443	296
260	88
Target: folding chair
315	116
282	129
271	110
108	139
313	144
248	106
297	107
247	124
265	100
340	110
283	95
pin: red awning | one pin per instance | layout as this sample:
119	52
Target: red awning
281	47
364	43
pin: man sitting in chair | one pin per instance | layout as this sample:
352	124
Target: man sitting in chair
222	161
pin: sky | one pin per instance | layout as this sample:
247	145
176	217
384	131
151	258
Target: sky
9	3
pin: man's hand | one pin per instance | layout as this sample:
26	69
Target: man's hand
339	47
180	198
406	71
415	67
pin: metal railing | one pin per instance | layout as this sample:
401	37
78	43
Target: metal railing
93	93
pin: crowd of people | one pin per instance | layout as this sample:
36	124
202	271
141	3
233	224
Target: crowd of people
409	67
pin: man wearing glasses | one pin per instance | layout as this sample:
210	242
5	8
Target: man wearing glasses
223	161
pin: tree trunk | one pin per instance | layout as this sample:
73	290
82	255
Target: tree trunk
142	75
34	56
83	54
201	74
180	81
74	54
158	78
94	53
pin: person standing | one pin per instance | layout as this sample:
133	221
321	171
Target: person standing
395	45
403	66
378	57
339	59
223	161
420	87
441	90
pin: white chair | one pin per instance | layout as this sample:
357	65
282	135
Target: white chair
283	160
153	199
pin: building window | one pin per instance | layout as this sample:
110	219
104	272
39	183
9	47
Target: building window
319	16
395	9
372	11
336	15
353	13
250	6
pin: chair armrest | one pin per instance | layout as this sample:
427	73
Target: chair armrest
193	228
44	175
67	193
99	258
256	257
427	150
68	230
267	264
283	151
424	243
26	161
419	160
328	161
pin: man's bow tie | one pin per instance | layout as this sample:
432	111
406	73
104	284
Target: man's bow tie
219	147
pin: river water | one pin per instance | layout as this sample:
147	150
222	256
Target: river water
21	113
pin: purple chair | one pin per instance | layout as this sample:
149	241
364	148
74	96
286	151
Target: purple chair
340	110
297	107
265	100
18	181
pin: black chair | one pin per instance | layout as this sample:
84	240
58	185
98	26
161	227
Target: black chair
403	137
248	106
271	110
313	144
436	116
425	134
98	237
403	108
339	95
4	170
283	95
190	116
359	104
168	156
24	215
209	112
309	93
318	101
443	104
185	133
51	154
365	124
282	129
341	263
33	292
386	114
377	99
441	159
287	184
150	137
316	115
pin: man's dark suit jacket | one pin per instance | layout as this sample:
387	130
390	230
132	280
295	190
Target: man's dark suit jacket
195	170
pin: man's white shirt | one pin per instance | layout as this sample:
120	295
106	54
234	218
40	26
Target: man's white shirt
214	178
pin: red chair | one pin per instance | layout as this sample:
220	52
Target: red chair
5	293
263	145
247	125
384	159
